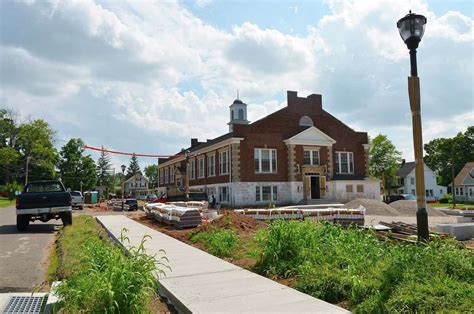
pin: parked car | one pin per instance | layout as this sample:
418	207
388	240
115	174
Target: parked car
397	197
43	200
151	197
132	204
77	200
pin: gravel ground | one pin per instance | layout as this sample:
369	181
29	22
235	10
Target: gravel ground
408	208
432	221
373	207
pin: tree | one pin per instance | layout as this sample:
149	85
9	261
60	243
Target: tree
133	167
442	153
77	170
103	169
151	172
384	160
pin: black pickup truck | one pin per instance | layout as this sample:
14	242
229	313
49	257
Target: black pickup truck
43	200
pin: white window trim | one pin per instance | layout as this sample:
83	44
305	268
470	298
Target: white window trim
223	171
338	164
203	175
311	150
259	152
211	166
226	201
260	198
192	169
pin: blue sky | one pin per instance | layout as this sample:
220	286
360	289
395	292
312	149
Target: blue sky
146	76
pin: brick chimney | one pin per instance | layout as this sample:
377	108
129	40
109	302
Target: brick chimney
313	100
194	142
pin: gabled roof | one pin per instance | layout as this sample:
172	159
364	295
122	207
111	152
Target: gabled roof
134	177
465	176
405	169
311	136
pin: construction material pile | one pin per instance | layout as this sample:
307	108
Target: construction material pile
341	216
373	207
408	208
402	231
180	217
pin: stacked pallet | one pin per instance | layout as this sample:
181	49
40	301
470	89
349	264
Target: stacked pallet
180	217
341	216
404	232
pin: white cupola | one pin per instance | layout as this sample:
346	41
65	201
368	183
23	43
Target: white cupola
238	113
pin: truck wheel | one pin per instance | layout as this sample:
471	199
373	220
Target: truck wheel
66	219
22	222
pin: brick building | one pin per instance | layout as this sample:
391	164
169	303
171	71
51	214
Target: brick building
297	154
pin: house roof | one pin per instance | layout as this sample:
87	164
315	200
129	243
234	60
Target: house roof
405	169
134	177
465	176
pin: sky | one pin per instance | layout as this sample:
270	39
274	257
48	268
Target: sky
146	76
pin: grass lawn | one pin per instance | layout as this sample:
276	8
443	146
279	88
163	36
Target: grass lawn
450	205
5	202
97	277
351	267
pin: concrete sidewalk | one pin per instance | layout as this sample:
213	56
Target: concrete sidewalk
202	283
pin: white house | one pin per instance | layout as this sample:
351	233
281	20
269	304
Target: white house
464	184
136	186
406	173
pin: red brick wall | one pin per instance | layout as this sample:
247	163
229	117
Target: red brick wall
284	123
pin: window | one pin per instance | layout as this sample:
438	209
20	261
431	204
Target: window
241	114
440	192
360	188
413	192
201	168
349	188
265	160
471	191
412	181
223	194
266	193
172	171
431	193
162	179
167	178
344	162
311	157
192	169
224	162
211	165
427	192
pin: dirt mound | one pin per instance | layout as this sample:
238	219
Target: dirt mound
238	222
373	207
408	208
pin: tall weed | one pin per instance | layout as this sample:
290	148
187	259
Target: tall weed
219	242
109	281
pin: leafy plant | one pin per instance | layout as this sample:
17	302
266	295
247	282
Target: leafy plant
109	281
219	242
11	189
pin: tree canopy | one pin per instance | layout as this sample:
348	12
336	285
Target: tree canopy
151	172
133	167
103	170
384	160
442	153
76	169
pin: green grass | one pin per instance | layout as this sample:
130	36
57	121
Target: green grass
450	205
219	242
5	202
97	276
353	266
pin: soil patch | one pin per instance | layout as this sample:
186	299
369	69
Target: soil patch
373	207
408	208
240	223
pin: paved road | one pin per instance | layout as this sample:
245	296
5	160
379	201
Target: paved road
23	256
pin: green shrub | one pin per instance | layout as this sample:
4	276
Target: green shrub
109	281
446	199
351	265
219	242
12	188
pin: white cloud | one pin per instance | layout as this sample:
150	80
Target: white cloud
147	76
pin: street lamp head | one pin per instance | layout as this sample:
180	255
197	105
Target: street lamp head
123	168
411	29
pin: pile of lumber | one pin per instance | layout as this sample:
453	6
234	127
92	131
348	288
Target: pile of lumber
402	231
341	216
177	216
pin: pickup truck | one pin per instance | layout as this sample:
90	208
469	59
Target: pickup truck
43	200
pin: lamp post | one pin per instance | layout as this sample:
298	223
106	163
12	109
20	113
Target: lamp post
187	154
412	28
123	167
